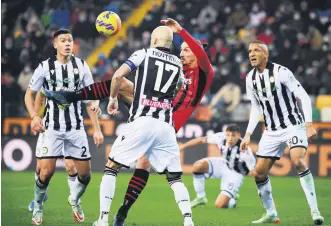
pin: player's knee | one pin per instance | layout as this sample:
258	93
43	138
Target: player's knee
113	165
200	167
260	173
84	179
46	174
143	163
70	167
299	164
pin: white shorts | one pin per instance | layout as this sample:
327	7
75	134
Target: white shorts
55	144
150	137
273	143
231	180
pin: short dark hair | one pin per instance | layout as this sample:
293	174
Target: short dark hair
233	128
258	42
61	32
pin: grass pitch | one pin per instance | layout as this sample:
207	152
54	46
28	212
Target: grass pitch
156	205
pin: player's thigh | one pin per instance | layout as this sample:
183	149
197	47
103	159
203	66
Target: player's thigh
222	200
201	166
216	167
50	145
133	142
76	145
143	163
297	142
271	146
164	152
231	183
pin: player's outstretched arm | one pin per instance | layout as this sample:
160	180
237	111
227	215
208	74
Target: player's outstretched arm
193	142
197	49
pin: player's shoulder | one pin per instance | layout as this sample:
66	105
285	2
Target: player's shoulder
140	53
250	73
280	68
43	65
79	61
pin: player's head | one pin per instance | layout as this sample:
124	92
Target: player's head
63	42
232	134
258	53
162	36
187	56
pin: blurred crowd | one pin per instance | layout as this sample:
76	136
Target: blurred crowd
298	34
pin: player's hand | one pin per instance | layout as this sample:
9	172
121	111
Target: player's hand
311	132
245	143
172	24
37	125
113	106
98	138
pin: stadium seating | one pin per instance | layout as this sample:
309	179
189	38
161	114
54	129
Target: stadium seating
326	114
323	101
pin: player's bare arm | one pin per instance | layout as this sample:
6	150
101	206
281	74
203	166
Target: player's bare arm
92	110
193	142
115	87
36	123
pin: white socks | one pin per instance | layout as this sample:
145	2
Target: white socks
40	190
264	190
78	188
107	190
182	197
308	186
199	184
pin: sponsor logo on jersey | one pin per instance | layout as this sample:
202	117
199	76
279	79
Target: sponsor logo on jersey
155	104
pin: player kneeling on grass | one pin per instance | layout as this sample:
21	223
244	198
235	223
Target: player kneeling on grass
230	168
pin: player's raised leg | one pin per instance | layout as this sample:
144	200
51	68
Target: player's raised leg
307	182
200	168
263	165
136	186
95	91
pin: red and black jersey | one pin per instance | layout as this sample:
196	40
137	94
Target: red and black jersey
197	82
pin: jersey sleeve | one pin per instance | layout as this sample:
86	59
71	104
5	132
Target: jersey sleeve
37	79
249	88
87	76
215	138
199	52
287	78
135	59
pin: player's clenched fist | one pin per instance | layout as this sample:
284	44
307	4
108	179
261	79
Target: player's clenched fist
172	24
37	125
113	106
245	142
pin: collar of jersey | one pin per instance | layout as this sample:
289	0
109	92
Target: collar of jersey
163	49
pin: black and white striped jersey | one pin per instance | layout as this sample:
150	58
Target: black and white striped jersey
273	90
241	162
157	74
54	76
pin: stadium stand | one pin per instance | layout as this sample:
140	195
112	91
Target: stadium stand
298	34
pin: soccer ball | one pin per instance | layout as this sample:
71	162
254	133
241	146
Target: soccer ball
108	23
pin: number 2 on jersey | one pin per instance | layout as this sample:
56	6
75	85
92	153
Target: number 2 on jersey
168	67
